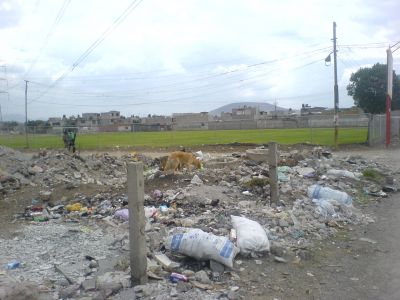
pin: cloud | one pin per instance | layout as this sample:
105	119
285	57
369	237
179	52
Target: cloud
171	56
9	14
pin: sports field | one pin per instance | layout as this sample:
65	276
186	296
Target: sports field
320	136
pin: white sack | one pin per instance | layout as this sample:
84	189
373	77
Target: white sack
251	236
203	246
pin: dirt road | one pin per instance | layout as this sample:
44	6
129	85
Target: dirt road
366	261
361	262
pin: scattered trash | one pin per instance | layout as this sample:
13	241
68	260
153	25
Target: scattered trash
165	262
73	207
202	246
196	180
375	193
157	194
199	155
150	212
251	236
279	259
93	224
305	172
13	265
123	214
343	173
40	219
324	207
164	209
368	240
319	192
175	277
247	193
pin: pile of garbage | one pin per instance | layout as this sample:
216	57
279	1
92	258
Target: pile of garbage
199	229
52	167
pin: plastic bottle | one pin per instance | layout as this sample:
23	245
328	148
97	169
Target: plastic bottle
175	277
324	207
319	192
13	265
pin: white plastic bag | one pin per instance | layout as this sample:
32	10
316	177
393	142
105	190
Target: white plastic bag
251	236
203	246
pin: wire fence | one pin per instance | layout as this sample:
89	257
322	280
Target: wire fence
377	129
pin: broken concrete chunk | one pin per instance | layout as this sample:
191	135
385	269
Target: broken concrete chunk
165	262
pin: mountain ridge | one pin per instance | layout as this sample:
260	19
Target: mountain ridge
263	106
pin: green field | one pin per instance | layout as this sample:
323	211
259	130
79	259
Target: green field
93	141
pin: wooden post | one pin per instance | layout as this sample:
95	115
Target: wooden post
273	174
137	223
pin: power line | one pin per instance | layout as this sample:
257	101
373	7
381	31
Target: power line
178	99
95	44
57	20
169	101
235	72
395	44
151	91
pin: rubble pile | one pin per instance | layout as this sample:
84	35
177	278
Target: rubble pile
79	248
51	167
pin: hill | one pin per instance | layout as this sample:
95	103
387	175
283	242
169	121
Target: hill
263	106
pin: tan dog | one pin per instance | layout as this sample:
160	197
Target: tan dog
179	160
163	162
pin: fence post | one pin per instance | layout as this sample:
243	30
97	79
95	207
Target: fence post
273	174
137	239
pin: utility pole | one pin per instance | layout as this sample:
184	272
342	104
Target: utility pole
26	113
4	91
336	90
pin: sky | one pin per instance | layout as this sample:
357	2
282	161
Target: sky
159	57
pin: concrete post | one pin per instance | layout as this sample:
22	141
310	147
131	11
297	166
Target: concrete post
273	173
137	223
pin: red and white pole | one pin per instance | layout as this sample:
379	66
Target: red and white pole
389	95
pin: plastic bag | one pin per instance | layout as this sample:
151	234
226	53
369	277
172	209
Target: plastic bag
202	246
251	236
123	214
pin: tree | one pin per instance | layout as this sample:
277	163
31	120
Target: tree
38	126
368	88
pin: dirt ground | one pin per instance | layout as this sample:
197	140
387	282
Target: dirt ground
361	262
346	267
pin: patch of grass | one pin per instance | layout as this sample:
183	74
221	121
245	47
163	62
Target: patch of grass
373	175
362	198
256	182
126	140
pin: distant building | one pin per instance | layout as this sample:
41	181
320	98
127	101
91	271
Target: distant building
308	110
243	113
110	118
91	119
156	120
189	121
55	122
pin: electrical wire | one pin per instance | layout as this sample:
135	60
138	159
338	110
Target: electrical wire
179	99
94	45
226	75
57	20
151	91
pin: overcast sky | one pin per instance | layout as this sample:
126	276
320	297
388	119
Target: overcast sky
160	57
